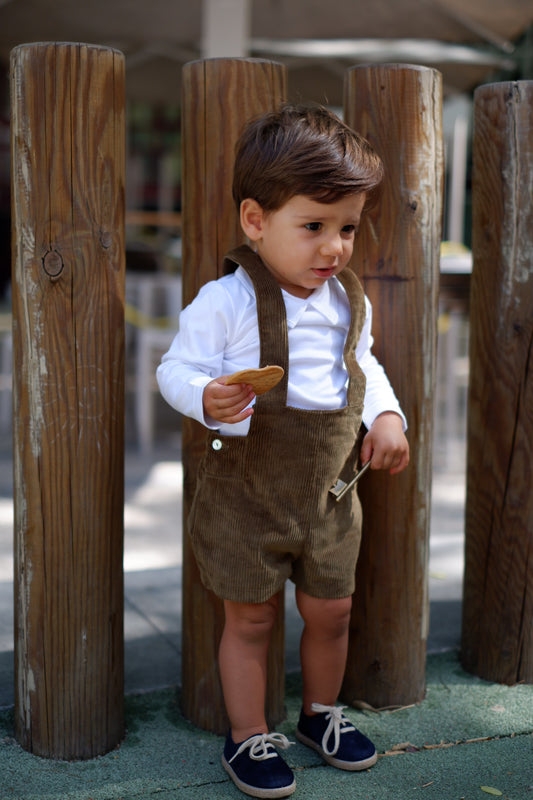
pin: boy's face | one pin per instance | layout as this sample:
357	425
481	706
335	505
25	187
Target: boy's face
304	243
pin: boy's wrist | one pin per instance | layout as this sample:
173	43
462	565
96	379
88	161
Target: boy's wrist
391	413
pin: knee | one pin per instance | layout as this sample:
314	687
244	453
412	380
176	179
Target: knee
251	621
329	618
336	615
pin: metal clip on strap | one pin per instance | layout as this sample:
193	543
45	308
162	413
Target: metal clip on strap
340	488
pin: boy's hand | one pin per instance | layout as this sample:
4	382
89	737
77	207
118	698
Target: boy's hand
227	404
386	444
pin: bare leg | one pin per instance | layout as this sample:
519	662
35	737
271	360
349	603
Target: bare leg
243	662
323	648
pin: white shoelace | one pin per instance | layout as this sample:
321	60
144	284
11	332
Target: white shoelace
259	746
338	724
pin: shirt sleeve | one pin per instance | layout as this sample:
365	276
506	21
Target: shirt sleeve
196	354
379	394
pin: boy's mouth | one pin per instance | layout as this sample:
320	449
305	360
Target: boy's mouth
324	272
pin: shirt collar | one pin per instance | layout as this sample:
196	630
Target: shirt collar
324	299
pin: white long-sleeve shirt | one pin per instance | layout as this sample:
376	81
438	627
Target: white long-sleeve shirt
218	334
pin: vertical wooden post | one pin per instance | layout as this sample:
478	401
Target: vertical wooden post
68	333
399	109
497	634
219	96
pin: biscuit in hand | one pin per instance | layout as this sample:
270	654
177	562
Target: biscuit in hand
261	380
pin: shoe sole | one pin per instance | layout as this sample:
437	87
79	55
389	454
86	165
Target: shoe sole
255	791
350	766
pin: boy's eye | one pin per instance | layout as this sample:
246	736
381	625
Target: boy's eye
313	226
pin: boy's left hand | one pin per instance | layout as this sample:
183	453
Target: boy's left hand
386	444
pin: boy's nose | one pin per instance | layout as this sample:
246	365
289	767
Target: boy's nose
332	246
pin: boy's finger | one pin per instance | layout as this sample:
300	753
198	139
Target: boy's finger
238	417
404	461
228	396
366	451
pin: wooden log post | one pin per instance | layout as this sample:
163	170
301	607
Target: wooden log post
497	630
68	142
399	109
219	96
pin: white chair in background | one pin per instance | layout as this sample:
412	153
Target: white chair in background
6	374
153	305
452	355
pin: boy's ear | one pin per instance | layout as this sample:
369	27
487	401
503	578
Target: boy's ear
252	216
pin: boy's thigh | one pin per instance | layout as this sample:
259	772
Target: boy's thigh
326	568
243	568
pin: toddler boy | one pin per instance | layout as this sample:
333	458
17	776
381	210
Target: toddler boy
263	511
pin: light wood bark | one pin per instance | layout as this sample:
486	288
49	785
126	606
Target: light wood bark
497	633
68	332
399	109
219	96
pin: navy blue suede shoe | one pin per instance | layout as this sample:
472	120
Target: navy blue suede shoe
256	768
332	735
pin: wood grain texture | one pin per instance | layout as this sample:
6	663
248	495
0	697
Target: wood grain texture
219	96
68	138
399	109
497	633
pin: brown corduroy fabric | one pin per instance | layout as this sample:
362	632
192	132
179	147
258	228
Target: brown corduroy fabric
262	511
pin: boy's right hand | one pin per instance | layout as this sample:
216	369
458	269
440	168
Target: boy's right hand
227	404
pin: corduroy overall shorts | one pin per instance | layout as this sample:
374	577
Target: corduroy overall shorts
262	510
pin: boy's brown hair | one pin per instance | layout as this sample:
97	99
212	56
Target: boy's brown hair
303	150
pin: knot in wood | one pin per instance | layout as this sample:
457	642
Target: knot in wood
53	264
106	239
